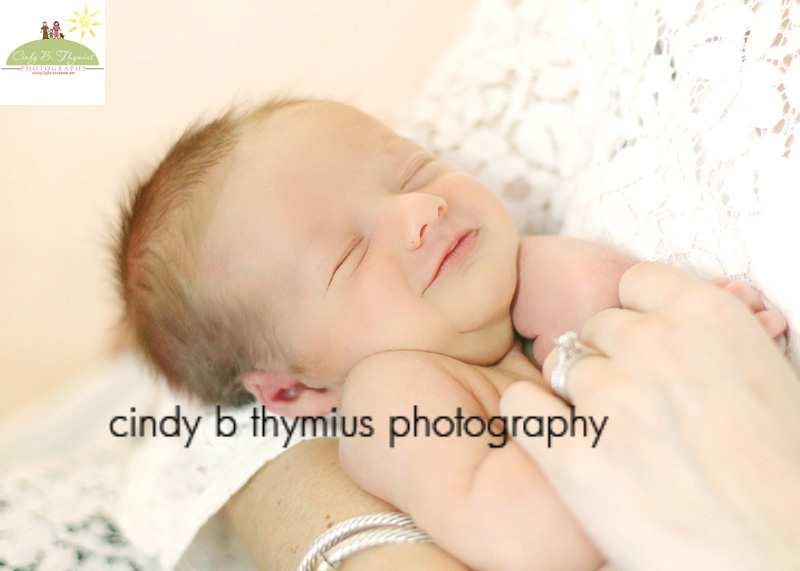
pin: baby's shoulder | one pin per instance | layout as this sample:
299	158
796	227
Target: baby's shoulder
395	377
405	369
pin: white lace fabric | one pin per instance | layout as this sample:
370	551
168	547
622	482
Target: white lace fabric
54	518
698	165
61	474
664	127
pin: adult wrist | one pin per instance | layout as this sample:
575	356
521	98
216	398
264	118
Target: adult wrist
358	534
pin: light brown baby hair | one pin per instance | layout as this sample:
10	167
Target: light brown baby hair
198	335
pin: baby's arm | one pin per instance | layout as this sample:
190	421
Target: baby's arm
564	281
490	507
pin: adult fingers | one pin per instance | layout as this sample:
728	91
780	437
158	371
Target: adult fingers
647	286
523	399
586	379
614	329
576	367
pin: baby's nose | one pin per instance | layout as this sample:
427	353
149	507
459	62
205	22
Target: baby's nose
420	215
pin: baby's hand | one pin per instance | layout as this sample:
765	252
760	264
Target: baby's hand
772	320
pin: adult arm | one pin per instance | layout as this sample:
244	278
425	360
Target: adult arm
699	466
303	492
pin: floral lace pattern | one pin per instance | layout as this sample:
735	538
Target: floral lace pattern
53	518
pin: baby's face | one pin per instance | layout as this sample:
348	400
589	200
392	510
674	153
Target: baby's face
359	241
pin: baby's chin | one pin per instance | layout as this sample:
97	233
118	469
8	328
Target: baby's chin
485	346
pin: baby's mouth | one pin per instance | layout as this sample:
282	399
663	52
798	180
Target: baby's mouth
459	249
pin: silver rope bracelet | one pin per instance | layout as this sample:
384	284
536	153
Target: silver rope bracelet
357	534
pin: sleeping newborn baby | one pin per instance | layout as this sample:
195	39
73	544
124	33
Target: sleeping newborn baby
306	256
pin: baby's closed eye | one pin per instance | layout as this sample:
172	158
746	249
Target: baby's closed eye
348	255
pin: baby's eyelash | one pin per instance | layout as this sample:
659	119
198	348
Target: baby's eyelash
352	246
363	255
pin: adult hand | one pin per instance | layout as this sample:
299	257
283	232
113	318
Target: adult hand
699	464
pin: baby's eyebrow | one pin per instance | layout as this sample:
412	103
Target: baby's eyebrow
348	250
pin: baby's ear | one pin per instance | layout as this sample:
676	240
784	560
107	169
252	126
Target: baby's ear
287	395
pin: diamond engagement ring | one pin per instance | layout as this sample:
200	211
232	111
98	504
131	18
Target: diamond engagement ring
569	351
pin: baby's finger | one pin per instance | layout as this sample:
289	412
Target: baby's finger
747	294
773	322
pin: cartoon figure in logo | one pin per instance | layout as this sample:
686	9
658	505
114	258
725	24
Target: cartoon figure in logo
60	36
50	34
56	29
45	28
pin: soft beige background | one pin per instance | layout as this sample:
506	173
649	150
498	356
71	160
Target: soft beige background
168	62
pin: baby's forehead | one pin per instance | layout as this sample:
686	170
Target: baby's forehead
308	149
305	158
315	139
319	125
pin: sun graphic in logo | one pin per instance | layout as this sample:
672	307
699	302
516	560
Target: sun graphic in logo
84	21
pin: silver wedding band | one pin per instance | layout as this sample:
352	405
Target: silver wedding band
569	351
